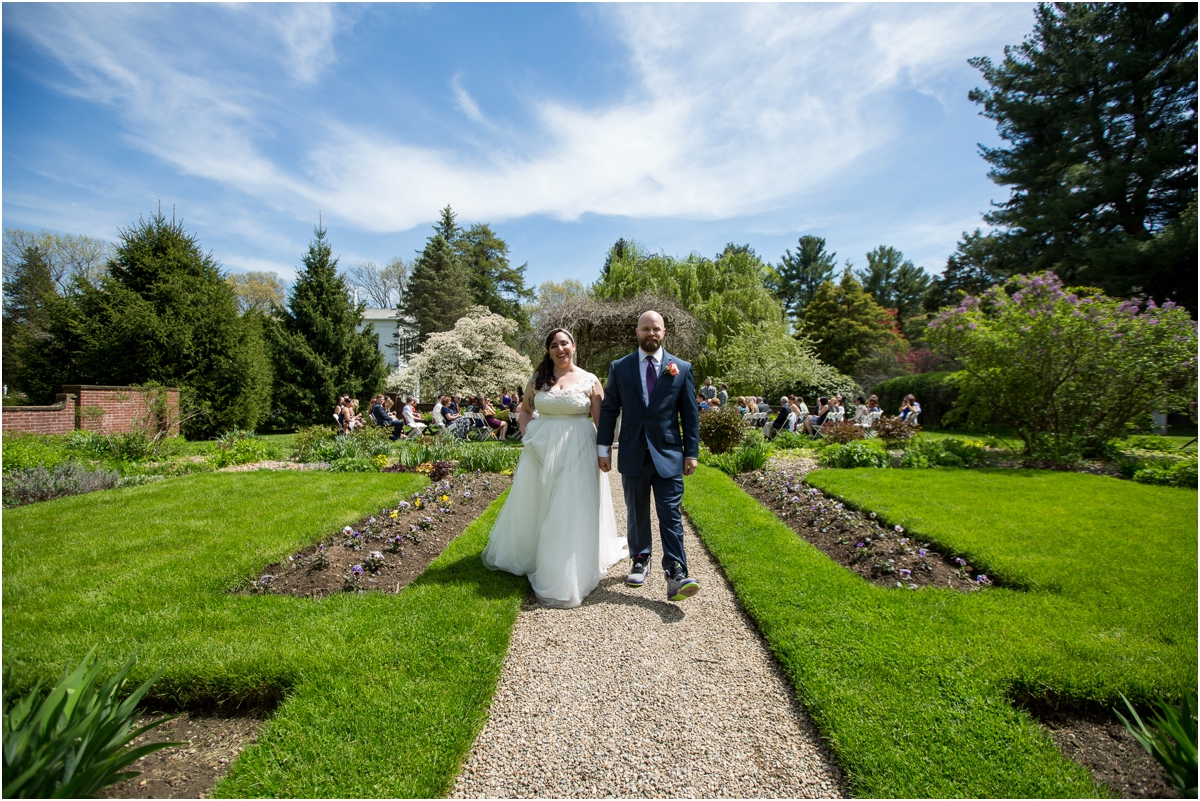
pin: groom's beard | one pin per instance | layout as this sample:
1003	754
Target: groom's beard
649	344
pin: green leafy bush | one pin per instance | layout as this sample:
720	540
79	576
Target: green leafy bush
1170	739
1180	474
354	464
864	453
790	440
242	447
1146	442
74	741
748	457
31	484
22	451
362	443
936	392
721	429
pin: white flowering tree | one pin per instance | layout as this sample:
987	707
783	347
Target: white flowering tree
470	359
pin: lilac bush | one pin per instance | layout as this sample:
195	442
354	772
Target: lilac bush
1067	368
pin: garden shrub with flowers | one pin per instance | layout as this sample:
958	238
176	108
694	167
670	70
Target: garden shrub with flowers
1068	369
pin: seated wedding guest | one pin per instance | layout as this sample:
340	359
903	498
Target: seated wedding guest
341	413
860	410
814	420
450	410
701	401
909	409
714	403
873	412
784	410
412	418
505	398
762	407
380	414
438	420
356	420
489	417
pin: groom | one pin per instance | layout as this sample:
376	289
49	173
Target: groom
656	393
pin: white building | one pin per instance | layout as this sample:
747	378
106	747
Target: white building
397	336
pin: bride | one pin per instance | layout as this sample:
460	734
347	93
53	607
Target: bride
557	526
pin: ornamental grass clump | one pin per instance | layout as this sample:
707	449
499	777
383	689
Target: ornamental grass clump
1066	368
75	740
1170	739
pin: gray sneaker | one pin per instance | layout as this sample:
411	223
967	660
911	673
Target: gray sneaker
679	586
637	575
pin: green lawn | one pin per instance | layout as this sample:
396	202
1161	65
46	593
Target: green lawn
913	689
382	695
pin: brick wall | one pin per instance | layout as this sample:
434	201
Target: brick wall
56	419
111	410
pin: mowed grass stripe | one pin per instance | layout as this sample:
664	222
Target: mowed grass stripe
912	689
382	695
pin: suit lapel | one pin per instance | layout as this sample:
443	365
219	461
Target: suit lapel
635	366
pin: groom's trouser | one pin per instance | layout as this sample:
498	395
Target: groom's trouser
668	492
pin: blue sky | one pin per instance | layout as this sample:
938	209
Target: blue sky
684	126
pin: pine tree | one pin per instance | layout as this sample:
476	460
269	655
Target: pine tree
439	291
317	349
847	325
28	290
970	270
801	274
895	283
494	282
165	314
1097	108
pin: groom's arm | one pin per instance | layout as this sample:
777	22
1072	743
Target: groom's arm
689	416
610	408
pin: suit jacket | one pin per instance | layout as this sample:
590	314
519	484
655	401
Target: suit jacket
669	426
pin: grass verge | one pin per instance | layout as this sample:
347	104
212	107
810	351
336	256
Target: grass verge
378	695
913	689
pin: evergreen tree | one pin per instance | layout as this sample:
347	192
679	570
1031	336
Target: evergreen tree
969	271
895	283
802	274
439	291
494	282
317	349
29	288
165	314
1098	109
847	325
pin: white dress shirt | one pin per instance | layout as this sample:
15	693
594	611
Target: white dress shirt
603	451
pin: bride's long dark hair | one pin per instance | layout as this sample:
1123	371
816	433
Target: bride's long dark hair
544	377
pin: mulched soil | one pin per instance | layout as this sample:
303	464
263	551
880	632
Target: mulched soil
859	541
1097	741
389	548
1103	745
189	770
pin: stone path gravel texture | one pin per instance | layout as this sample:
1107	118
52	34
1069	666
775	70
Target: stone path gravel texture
633	696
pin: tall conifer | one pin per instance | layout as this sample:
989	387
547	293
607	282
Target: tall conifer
317	349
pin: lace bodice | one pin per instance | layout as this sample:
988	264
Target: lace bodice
574	401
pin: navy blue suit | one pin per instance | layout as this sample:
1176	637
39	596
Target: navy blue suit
655	439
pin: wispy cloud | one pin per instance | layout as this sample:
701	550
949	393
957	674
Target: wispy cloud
735	109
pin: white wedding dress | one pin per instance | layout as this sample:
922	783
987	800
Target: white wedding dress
557	526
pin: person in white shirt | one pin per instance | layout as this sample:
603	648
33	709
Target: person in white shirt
410	415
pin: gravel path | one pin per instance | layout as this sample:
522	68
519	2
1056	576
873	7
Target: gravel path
632	696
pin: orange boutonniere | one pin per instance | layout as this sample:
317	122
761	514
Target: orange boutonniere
672	369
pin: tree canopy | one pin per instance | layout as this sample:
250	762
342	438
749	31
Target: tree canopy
801	274
896	283
847	325
1098	110
257	291
163	313
317	349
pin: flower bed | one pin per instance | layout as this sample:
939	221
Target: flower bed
385	551
884	554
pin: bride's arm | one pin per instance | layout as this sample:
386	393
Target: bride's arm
526	407
597	399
